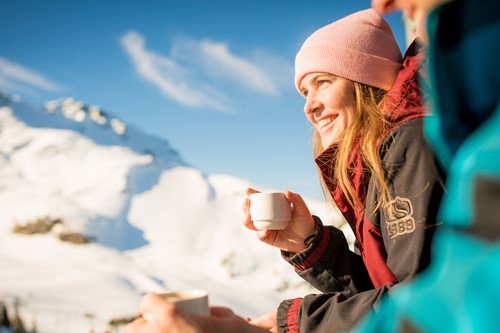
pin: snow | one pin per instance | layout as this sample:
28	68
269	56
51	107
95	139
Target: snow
157	223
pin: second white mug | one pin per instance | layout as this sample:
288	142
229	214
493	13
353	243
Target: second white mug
191	301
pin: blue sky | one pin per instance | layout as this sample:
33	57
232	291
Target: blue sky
214	78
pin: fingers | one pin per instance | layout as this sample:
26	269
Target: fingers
267	236
140	324
251	190
247	222
294	198
301	226
383	6
220	311
134	327
150	303
267	321
299	205
304	224
247	219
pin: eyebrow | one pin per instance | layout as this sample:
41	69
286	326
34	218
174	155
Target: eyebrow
315	77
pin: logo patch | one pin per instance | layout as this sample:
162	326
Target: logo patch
399	213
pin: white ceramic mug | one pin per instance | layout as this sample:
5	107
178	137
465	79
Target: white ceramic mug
270	210
190	301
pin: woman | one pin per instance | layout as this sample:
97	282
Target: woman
376	166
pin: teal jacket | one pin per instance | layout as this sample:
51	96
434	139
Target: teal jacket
464	126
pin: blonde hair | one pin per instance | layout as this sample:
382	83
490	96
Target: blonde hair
366	129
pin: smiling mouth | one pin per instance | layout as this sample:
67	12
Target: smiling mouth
326	121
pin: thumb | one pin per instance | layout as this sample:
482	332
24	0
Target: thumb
299	205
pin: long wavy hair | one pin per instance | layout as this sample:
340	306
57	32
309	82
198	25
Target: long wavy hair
366	129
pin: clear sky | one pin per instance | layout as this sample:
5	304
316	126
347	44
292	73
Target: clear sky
214	78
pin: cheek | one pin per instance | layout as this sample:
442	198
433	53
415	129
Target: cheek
350	114
340	98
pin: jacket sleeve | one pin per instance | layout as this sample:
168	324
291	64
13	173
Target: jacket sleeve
409	220
407	224
329	265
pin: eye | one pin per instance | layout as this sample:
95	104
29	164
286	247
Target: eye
322	82
304	93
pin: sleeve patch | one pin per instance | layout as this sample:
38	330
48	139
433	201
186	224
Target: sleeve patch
399	213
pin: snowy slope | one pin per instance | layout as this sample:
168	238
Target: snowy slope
155	223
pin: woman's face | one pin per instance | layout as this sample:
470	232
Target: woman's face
330	105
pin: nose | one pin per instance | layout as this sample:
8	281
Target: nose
312	105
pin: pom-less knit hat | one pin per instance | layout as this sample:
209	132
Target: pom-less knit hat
360	47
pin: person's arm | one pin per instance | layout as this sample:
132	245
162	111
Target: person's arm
413	174
319	254
331	267
409	221
328	264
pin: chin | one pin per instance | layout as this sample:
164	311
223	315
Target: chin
328	143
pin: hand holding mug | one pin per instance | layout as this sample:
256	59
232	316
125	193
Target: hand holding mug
158	315
270	210
291	238
161	315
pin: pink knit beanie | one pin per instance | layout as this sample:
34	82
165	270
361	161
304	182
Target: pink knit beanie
360	47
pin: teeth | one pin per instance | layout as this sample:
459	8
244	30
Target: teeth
324	122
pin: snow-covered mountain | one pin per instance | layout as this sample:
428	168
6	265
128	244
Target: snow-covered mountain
94	213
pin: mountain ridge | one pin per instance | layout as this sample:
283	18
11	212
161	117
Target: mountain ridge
156	223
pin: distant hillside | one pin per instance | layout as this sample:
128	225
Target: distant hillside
94	212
